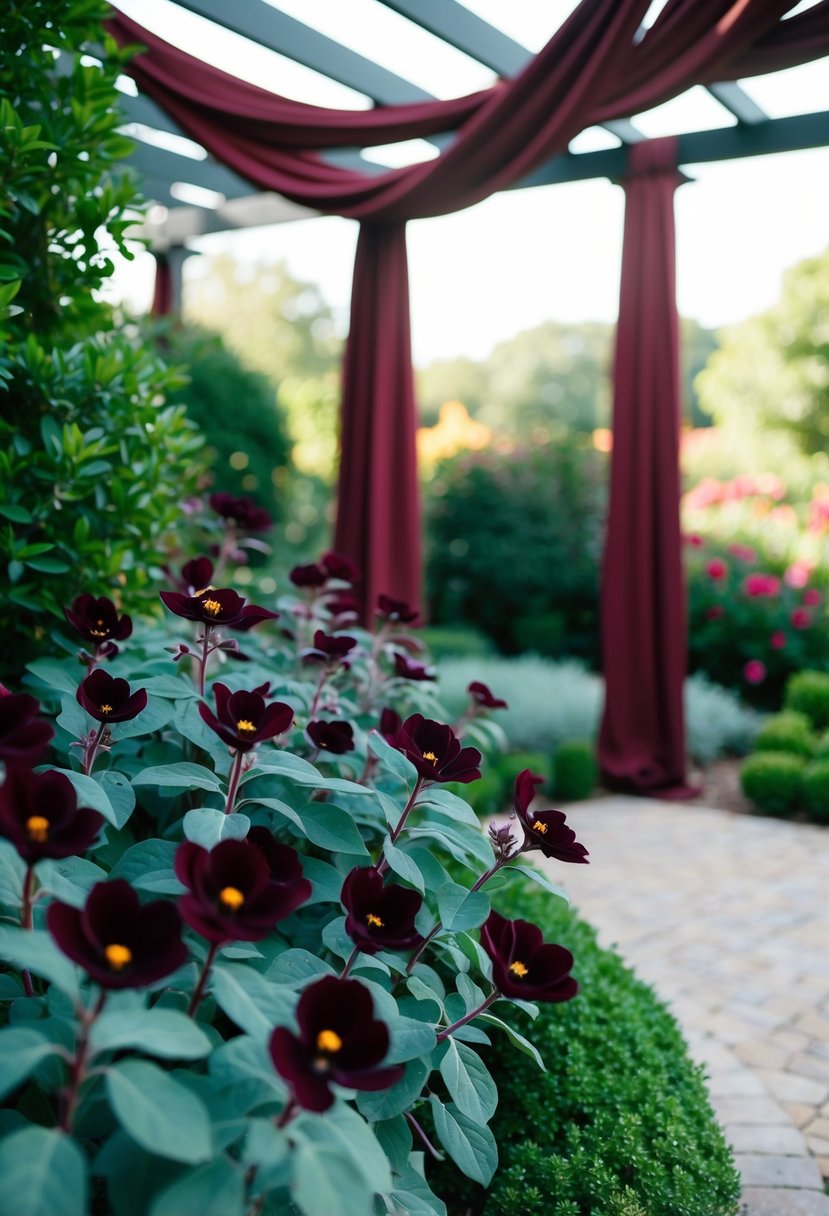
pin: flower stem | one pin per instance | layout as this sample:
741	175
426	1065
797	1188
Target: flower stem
425	1139
77	1071
92	750
198	991
288	1113
205	655
312	712
444	1034
435	930
382	865
351	960
26	922
233	781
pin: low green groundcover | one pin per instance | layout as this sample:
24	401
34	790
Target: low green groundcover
619	1124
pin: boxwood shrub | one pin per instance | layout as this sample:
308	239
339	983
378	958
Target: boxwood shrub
575	771
808	693
816	789
620	1123
787	732
773	781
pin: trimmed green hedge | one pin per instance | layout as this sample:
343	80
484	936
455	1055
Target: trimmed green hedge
620	1124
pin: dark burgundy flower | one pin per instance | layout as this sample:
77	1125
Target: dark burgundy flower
339	1042
337	565
197	575
343	607
482	696
119	943
241	511
545	830
408	669
396	610
334	737
108	699
329	648
390	724
221	606
436	752
523	965
39	814
311	575
243	719
240	889
23	736
380	915
97	619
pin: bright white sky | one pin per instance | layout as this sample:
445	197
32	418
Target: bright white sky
526	256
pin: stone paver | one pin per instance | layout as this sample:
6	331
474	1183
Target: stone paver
727	917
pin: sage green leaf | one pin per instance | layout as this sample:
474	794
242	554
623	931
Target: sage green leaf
55	675
329	1182
413	1196
69	878
450	805
326	881
343	1127
245	1058
120	793
148	866
402	865
254	1003
12	872
410	1040
471	1146
165	1033
183	776
155	715
461	909
332	828
42	1173
395	1138
72	718
538	877
208	827
217	1189
397	1098
517	1040
160	1113
92	794
122	1161
391	759
21	1050
34	950
266	1147
467	1078
296	967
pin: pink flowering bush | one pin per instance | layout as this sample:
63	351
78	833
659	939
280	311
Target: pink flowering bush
247	928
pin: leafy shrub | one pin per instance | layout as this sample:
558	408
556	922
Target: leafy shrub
620	1123
445	641
816	789
518	528
240	816
822	747
93	463
807	692
773	781
235	408
575	772
717	722
509	766
786	732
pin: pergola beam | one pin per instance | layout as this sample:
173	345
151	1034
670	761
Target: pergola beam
737	101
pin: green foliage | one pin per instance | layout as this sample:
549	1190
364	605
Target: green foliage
807	692
575	772
620	1123
511	536
771	371
93	463
816	790
773	781
509	766
235	409
444	641
787	732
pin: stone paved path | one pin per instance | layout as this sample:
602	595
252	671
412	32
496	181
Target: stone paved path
727	916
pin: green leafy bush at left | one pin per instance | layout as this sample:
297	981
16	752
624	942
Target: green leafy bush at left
620	1123
94	462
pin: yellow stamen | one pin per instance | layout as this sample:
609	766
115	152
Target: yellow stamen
232	898
329	1040
518	969
374	921
105	709
118	957
245	724
213	607
38	828
98	633
431	757
540	827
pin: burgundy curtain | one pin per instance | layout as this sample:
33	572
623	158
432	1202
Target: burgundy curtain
642	738
163	304
592	69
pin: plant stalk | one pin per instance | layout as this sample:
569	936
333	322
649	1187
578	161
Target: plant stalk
198	991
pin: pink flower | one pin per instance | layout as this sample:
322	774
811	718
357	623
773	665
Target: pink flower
811	596
742	553
798	573
694	540
801	618
714	612
717	569
777	641
757	585
754	671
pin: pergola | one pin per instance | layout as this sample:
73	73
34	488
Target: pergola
273	159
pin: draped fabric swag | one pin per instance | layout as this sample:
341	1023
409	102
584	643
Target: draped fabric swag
592	70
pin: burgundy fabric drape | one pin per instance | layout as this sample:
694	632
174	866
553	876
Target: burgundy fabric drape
642	738
163	303
380	528
592	69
